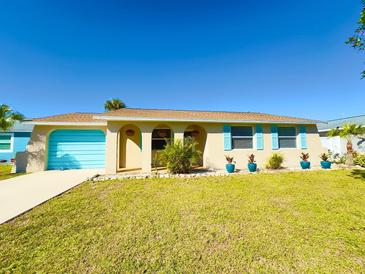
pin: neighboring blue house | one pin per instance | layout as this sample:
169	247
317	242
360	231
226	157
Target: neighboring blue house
15	140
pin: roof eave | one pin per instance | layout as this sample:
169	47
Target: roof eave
144	119
49	123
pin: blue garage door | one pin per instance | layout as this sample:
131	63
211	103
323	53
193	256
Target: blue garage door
76	149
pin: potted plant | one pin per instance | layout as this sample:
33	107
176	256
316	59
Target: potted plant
305	164
230	166
325	164
252	166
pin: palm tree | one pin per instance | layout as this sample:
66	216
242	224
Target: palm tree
114	104
8	117
347	132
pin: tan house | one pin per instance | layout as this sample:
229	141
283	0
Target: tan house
128	139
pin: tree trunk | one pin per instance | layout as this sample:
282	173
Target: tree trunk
349	156
349	147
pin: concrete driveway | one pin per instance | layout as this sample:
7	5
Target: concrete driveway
20	194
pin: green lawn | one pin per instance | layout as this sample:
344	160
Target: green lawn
292	222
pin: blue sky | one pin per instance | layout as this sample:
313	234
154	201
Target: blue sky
282	57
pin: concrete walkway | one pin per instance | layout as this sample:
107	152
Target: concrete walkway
20	194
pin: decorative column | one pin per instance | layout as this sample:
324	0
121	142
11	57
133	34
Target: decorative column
146	132
111	152
178	131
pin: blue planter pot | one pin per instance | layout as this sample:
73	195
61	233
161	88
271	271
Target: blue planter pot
326	164
252	167
305	164
230	168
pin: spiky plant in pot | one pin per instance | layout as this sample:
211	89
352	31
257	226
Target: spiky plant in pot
305	164
325	163
252	166
230	166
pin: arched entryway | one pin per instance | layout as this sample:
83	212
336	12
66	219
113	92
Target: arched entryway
200	136
161	135
130	154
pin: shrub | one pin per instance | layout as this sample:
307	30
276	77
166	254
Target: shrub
336	158
275	161
179	156
360	160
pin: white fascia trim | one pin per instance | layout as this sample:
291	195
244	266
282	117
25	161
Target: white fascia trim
120	118
328	129
66	123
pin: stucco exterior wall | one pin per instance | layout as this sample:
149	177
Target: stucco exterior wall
35	156
214	153
130	145
214	156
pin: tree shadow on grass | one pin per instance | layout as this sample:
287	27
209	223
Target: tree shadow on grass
358	174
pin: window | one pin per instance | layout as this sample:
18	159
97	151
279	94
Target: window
160	137
287	137
6	142
242	137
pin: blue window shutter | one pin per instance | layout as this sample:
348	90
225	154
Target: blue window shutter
303	137
227	137
259	138
274	137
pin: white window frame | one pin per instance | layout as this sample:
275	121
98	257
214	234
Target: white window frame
243	137
11	142
294	137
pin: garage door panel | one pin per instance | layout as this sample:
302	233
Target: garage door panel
75	164
76	149
77	146
76	152
75	160
77	157
71	139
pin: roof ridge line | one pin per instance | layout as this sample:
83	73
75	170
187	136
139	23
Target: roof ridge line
210	111
346	118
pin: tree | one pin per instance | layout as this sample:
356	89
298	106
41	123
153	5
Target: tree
8	117
347	132
114	104
357	41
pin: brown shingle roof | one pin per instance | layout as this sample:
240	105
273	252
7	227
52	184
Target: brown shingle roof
218	116
173	115
75	117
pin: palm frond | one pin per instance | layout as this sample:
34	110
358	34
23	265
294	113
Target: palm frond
333	132
8	117
17	116
347	131
114	104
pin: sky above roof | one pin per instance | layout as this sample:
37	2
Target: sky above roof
281	57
